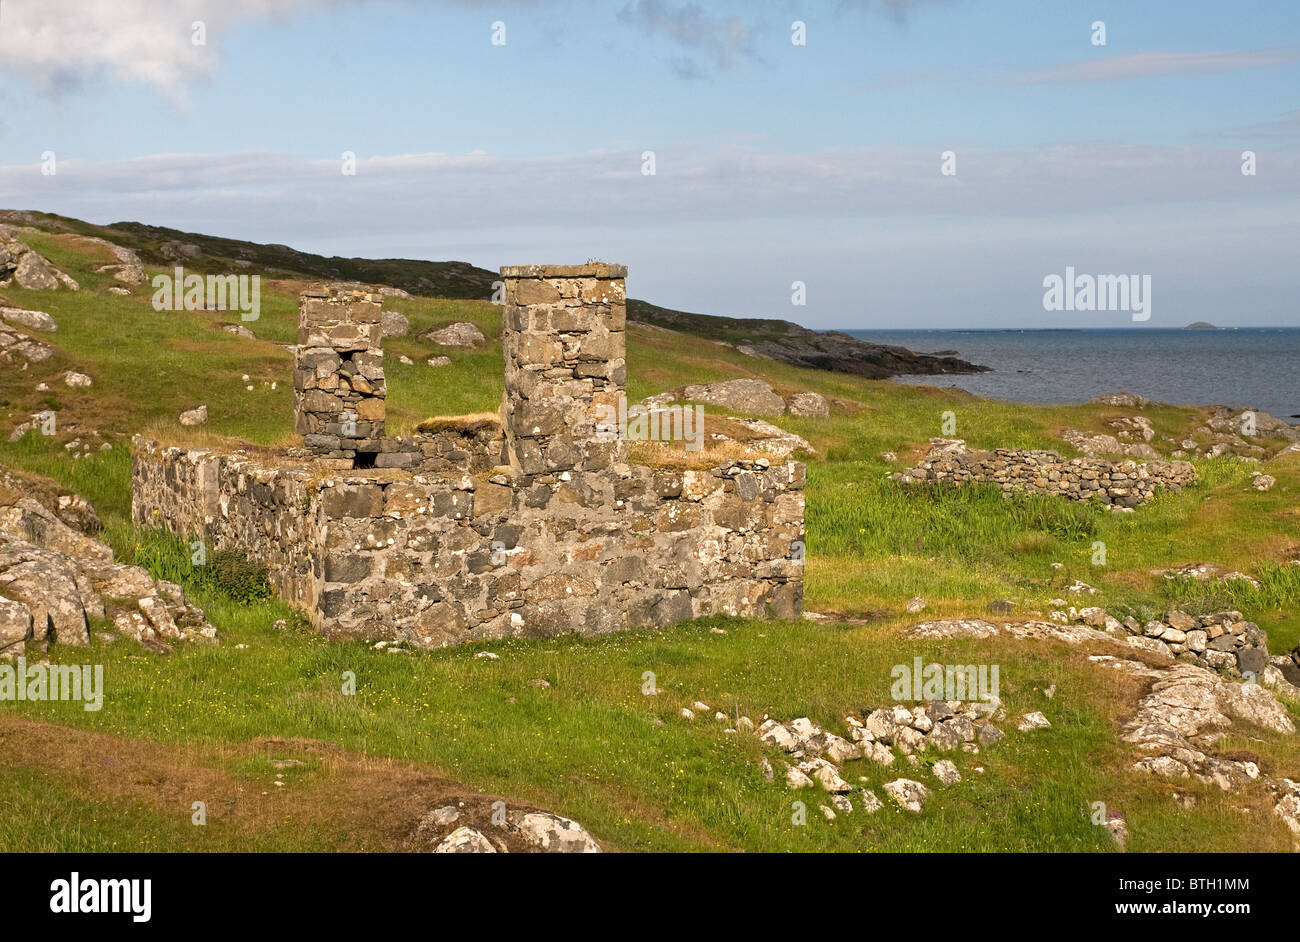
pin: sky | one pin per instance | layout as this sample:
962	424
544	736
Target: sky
521	131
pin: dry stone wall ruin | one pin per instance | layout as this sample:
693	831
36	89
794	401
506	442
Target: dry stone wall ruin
532	526
1121	484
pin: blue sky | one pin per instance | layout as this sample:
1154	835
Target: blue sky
774	162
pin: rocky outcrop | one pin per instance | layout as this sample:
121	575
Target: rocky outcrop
20	350
1250	422
31	320
128	268
747	396
1095	445
1185	713
56	580
1181	716
456	829
787	342
23	266
1123	484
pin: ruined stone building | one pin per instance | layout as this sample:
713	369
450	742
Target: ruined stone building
533	525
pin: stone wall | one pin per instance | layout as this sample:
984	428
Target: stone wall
233	501
441	559
1121	484
475	528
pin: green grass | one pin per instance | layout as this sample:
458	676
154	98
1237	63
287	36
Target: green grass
591	745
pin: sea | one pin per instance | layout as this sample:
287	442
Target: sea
1246	367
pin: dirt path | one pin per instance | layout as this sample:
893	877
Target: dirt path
330	796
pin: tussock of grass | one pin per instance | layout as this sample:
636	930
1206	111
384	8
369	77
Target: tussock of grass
464	424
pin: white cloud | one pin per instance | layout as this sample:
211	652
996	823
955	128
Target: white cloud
64	44
1147	64
727	231
403	193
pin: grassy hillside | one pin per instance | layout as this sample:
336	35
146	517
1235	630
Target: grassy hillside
590	745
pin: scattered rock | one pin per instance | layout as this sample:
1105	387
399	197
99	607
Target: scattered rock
795	778
393	324
459	334
946	772
465	840
196	416
555	835
1118	829
1262	482
1123	399
77	380
32	320
809	404
1031	721
910	795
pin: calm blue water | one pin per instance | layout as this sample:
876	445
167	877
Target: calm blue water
1245	368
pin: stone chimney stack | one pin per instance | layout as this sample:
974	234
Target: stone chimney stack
338	377
565	366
